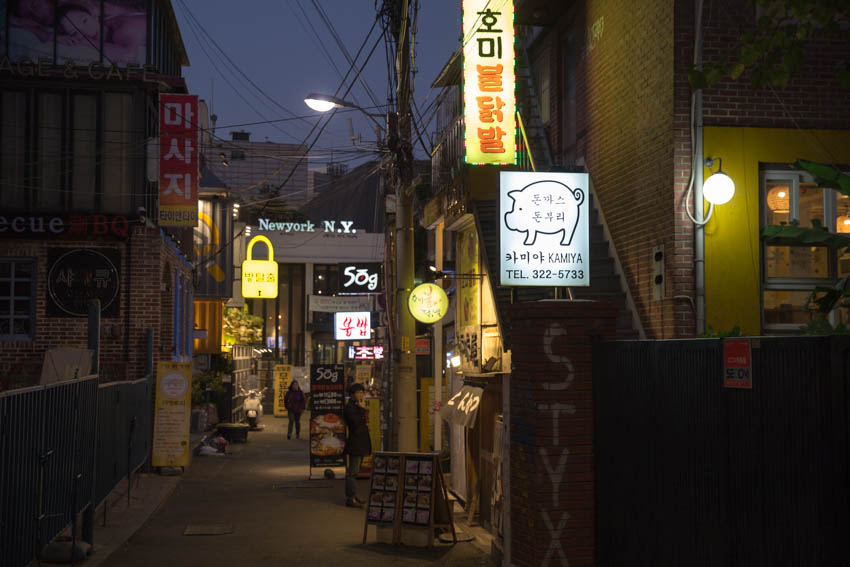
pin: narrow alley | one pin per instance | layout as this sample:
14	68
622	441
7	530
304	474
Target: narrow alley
261	490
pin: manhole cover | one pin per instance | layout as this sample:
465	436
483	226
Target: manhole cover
208	529
302	484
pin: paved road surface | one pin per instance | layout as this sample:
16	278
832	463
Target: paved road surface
277	517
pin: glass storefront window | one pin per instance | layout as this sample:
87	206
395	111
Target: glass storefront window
791	272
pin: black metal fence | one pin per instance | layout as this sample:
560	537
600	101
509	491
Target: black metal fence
691	473
63	447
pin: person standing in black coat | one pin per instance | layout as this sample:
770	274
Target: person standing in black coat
357	444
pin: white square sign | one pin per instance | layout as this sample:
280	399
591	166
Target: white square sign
353	326
543	229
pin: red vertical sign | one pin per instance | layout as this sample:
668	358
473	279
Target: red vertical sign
737	364
178	160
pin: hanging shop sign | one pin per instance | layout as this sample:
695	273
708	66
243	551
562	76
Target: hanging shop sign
327	426
488	81
353	326
428	303
326	226
334	303
65	225
544	239
259	277
366	352
360	278
178	160
422	345
737	364
171	414
77	275
462	408
213	249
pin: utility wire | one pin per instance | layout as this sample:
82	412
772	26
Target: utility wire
237	67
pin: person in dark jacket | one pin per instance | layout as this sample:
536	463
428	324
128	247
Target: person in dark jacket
357	444
294	402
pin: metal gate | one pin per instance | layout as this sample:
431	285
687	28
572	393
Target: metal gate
691	473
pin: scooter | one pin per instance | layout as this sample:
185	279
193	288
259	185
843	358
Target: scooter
253	409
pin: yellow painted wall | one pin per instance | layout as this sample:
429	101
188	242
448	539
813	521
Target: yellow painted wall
732	258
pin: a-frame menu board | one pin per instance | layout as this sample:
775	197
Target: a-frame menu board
407	492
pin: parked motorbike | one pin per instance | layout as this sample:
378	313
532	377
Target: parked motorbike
253	409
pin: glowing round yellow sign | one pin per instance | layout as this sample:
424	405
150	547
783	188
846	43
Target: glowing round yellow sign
428	303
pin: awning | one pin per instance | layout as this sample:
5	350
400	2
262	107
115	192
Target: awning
462	408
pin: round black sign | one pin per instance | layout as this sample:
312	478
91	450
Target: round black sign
79	275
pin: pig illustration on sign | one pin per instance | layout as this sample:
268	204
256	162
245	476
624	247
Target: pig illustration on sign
545	207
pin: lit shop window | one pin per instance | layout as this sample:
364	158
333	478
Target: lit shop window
791	272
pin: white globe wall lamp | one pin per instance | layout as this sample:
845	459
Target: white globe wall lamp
719	188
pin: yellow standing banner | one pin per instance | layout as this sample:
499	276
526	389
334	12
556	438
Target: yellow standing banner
282	380
171	414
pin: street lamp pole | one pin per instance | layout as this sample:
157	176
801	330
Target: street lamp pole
400	178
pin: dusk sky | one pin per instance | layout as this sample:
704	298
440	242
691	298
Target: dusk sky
287	50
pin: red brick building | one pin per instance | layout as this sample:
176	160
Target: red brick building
78	212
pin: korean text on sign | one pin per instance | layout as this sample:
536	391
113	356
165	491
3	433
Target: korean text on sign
178	160
489	99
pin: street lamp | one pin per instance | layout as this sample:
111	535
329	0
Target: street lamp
324	102
404	333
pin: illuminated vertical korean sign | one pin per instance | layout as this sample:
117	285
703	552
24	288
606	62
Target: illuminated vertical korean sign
488	81
178	160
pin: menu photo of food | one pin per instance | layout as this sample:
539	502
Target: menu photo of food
389	499
327	435
410	499
410	481
422	516
378	481
411	466
393	464
387	514
377	498
425	482
391	482
374	513
426	467
379	463
330	422
423	500
408	515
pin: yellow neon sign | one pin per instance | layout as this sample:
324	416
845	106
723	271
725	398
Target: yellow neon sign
259	277
488	81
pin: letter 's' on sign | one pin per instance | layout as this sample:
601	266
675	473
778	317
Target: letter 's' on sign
259	277
488	81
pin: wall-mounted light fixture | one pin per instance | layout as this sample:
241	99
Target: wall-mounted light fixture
719	188
437	274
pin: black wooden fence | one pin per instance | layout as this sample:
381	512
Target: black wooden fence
691	473
63	448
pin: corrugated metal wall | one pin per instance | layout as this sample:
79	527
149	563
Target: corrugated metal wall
691	473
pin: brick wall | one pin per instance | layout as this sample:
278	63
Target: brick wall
625	130
813	99
145	258
551	408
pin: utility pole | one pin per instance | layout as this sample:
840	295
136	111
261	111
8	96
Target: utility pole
404	379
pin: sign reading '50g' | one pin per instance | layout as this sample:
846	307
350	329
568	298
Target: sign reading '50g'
359	278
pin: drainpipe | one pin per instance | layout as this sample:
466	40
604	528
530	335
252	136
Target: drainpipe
699	241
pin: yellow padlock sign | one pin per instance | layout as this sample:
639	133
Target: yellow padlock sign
259	277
